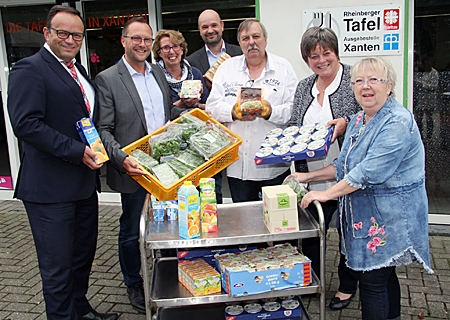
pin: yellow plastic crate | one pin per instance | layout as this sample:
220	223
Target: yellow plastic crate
214	165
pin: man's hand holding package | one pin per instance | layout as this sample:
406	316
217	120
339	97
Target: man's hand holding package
264	113
132	167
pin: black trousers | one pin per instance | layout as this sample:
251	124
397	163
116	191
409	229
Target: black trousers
311	249
65	236
250	190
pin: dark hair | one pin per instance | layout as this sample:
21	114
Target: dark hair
59	8
174	36
134	19
245	25
325	37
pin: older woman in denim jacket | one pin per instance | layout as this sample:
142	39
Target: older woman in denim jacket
381	188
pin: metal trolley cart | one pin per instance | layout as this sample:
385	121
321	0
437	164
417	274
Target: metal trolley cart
239	224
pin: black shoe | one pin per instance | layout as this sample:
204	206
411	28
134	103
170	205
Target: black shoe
137	298
338	304
94	315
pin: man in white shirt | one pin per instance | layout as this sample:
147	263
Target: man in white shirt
258	69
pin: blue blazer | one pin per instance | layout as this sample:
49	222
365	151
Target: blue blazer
44	103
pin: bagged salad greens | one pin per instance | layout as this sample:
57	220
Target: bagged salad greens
165	174
179	167
189	118
190	158
209	141
299	188
184	130
165	144
143	159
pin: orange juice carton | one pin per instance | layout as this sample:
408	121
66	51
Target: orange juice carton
280	209
188	211
90	137
208	205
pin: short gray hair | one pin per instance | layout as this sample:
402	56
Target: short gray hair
245	25
325	37
378	65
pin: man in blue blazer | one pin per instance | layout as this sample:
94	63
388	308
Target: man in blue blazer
58	176
134	100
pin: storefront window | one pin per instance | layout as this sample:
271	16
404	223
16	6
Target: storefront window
431	95
5	169
104	21
182	16
22	27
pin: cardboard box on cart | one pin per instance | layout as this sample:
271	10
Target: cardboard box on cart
280	209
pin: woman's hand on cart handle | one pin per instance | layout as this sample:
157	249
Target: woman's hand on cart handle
311	196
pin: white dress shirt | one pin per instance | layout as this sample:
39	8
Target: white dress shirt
151	96
278	81
322	113
88	88
212	58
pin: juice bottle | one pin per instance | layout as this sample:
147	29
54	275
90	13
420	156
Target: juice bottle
208	205
188	211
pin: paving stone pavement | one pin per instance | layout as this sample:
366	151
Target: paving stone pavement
424	296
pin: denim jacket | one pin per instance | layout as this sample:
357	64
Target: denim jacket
385	222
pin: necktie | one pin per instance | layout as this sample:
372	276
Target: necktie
73	71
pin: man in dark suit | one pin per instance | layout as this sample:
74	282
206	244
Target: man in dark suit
58	176
134	100
211	27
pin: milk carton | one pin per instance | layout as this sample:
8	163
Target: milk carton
280	209
208	205
188	211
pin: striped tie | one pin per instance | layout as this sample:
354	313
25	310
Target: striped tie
73	71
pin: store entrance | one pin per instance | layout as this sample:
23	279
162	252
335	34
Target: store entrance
431	97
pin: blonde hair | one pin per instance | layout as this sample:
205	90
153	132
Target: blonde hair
378	65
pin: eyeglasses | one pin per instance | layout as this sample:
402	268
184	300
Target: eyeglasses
63	34
138	40
166	49
360	82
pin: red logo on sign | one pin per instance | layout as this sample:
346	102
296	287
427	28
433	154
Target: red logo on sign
391	19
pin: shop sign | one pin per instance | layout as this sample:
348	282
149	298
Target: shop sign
361	31
91	22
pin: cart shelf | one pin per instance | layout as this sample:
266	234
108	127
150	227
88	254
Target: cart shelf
239	224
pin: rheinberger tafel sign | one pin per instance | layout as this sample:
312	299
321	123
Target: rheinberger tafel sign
361	31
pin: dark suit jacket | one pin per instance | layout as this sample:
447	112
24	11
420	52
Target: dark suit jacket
121	119
44	103
199	59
